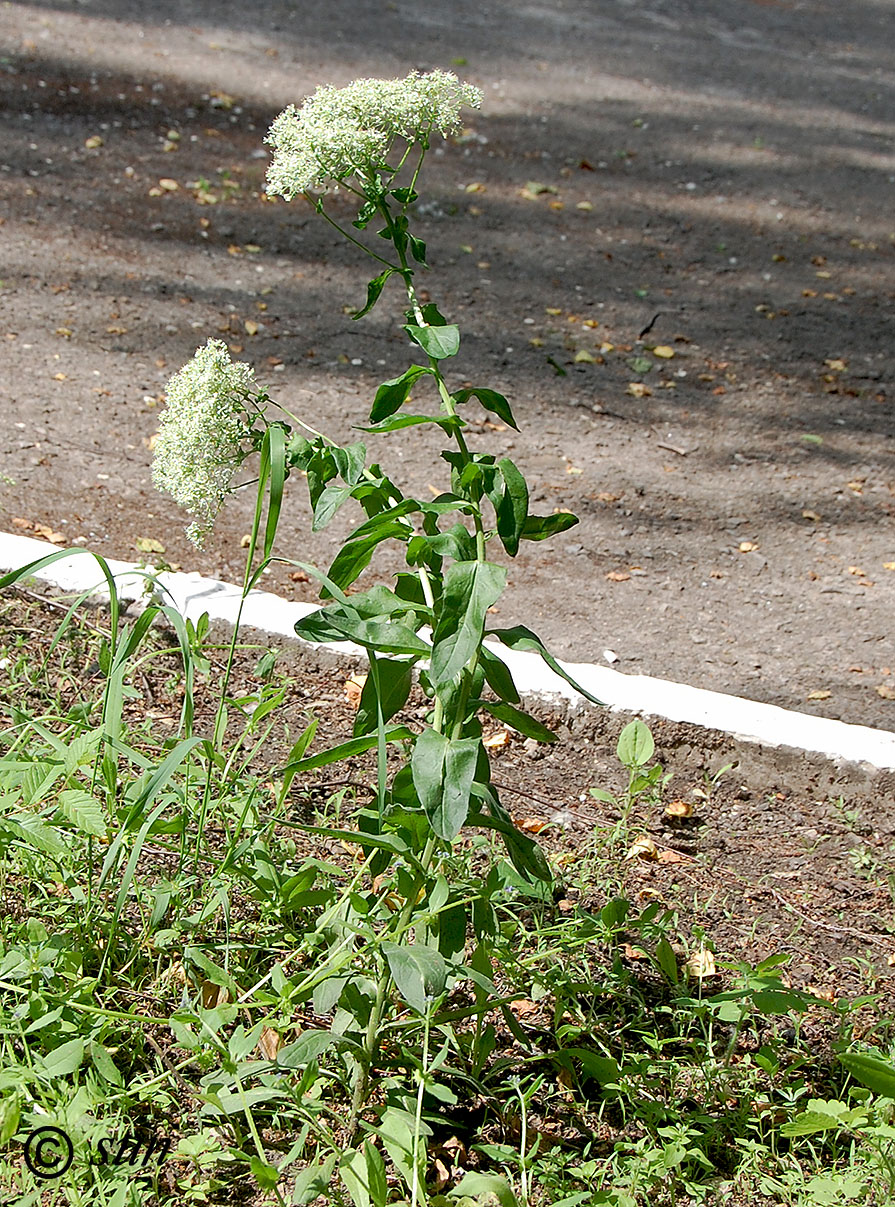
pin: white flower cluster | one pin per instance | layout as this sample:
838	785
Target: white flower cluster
340	131
200	443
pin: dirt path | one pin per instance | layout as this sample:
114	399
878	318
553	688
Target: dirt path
729	169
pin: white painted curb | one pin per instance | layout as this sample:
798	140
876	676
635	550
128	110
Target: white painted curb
747	720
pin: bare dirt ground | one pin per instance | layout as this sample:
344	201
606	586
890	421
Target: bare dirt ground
726	168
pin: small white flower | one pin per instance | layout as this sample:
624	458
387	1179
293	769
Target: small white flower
203	434
341	131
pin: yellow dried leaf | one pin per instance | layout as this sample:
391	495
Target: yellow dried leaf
643	848
552	310
168	185
533	825
617	576
94	141
669	856
820	693
663	351
837	364
475	186
889	565
885	691
584	205
116	330
856	571
148	544
638	389
60	377
604	348
811	515
64	331
213	995
585	358
55	538
234	249
270	1043
18	522
245	540
679	808
573	469
251	327
700	964
497	740
747	547
353	689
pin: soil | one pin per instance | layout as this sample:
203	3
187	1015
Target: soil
722	175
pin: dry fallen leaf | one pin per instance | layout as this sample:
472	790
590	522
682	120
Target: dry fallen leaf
168	185
643	848
147	544
819	694
497	740
748	546
679	808
663	351
583	357
889	565
669	856
353	688
213	995
533	825
522	1006
94	141
251	327
700	964
837	365
856	571
617	576
637	389
811	515
270	1043
886	692
55	538
18	522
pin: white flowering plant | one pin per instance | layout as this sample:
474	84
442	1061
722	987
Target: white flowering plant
410	927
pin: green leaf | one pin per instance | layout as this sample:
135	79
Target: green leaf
376	1179
104	1064
266	1175
83	811
437	342
329	501
394	682
635	745
348	750
542	527
386	636
314	1181
512	510
521	638
374	289
417	250
490	400
10	1114
419	972
443	770
353	1172
498	676
354	556
667	960
878	1075
392	395
308	1046
63	1060
518	720
470	589
810	1122
451	424
476	1184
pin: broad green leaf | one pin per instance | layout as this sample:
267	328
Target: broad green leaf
470	589
443	770
490	400
308	1046
635	745
419	972
348	750
376	1179
392	395
266	1175
63	1060
878	1075
397	1129
329	501
10	1114
542	527
386	636
374	289
475	1184
437	342
394	682
104	1064
353	1172
521	638
512	510
498	676
601	1068
354	556
314	1181
28	828
808	1123
83	811
448	423
518	720
417	250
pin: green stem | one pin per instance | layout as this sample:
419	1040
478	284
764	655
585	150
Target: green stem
350	237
